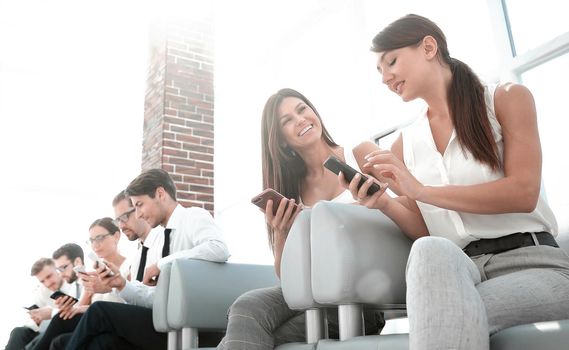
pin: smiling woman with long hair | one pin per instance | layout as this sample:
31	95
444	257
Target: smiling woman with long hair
295	144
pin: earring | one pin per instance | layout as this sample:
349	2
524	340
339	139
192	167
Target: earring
289	150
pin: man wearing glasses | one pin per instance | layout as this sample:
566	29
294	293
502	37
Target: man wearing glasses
187	233
66	258
133	228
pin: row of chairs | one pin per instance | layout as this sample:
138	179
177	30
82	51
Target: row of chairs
338	256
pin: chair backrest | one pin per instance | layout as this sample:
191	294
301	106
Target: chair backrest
296	275
201	292
358	256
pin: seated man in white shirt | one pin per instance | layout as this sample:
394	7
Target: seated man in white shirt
137	229
188	233
44	307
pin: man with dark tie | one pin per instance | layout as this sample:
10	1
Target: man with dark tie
188	233
136	229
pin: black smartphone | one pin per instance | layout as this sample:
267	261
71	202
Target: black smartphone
335	165
262	198
32	307
58	294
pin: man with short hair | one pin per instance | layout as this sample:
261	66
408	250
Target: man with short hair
137	229
50	280
66	258
188	233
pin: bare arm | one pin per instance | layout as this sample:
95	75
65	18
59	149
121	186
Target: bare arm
517	191
403	211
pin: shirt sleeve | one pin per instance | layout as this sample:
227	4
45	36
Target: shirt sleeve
205	239
136	293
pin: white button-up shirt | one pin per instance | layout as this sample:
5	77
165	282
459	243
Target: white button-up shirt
194	235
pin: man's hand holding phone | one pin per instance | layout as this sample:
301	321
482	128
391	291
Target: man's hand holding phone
63	302
40	314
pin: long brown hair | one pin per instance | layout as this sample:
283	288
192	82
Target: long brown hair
283	169
465	93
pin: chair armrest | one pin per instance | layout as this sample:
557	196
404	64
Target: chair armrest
296	279
358	256
201	292
160	302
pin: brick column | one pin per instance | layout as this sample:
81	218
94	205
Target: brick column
178	114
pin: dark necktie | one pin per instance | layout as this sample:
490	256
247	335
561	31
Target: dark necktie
166	246
140	273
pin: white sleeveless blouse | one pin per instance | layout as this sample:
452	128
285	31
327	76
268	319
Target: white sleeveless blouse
456	167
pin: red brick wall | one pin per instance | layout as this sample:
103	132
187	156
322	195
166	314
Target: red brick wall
178	120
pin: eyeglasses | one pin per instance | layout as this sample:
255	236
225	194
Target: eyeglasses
97	239
63	267
123	217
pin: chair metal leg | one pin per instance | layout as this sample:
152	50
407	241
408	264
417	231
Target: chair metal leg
350	319
315	325
172	340
189	338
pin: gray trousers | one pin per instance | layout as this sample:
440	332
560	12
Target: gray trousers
261	320
457	302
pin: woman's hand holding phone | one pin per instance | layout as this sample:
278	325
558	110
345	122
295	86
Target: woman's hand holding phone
360	191
110	275
281	218
280	211
93	284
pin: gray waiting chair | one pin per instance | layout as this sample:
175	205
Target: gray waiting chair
358	259
199	294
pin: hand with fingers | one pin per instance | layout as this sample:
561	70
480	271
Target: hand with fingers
360	194
393	171
110	276
283	219
65	304
93	284
41	314
151	275
71	312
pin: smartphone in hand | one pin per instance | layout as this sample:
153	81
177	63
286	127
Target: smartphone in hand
335	165
80	269
98	262
31	307
58	294
262	198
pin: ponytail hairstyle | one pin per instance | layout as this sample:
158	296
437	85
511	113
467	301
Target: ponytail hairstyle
465	93
283	169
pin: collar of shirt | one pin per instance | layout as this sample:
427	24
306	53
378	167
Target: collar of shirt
175	219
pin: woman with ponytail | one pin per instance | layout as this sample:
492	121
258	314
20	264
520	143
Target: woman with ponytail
467	174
